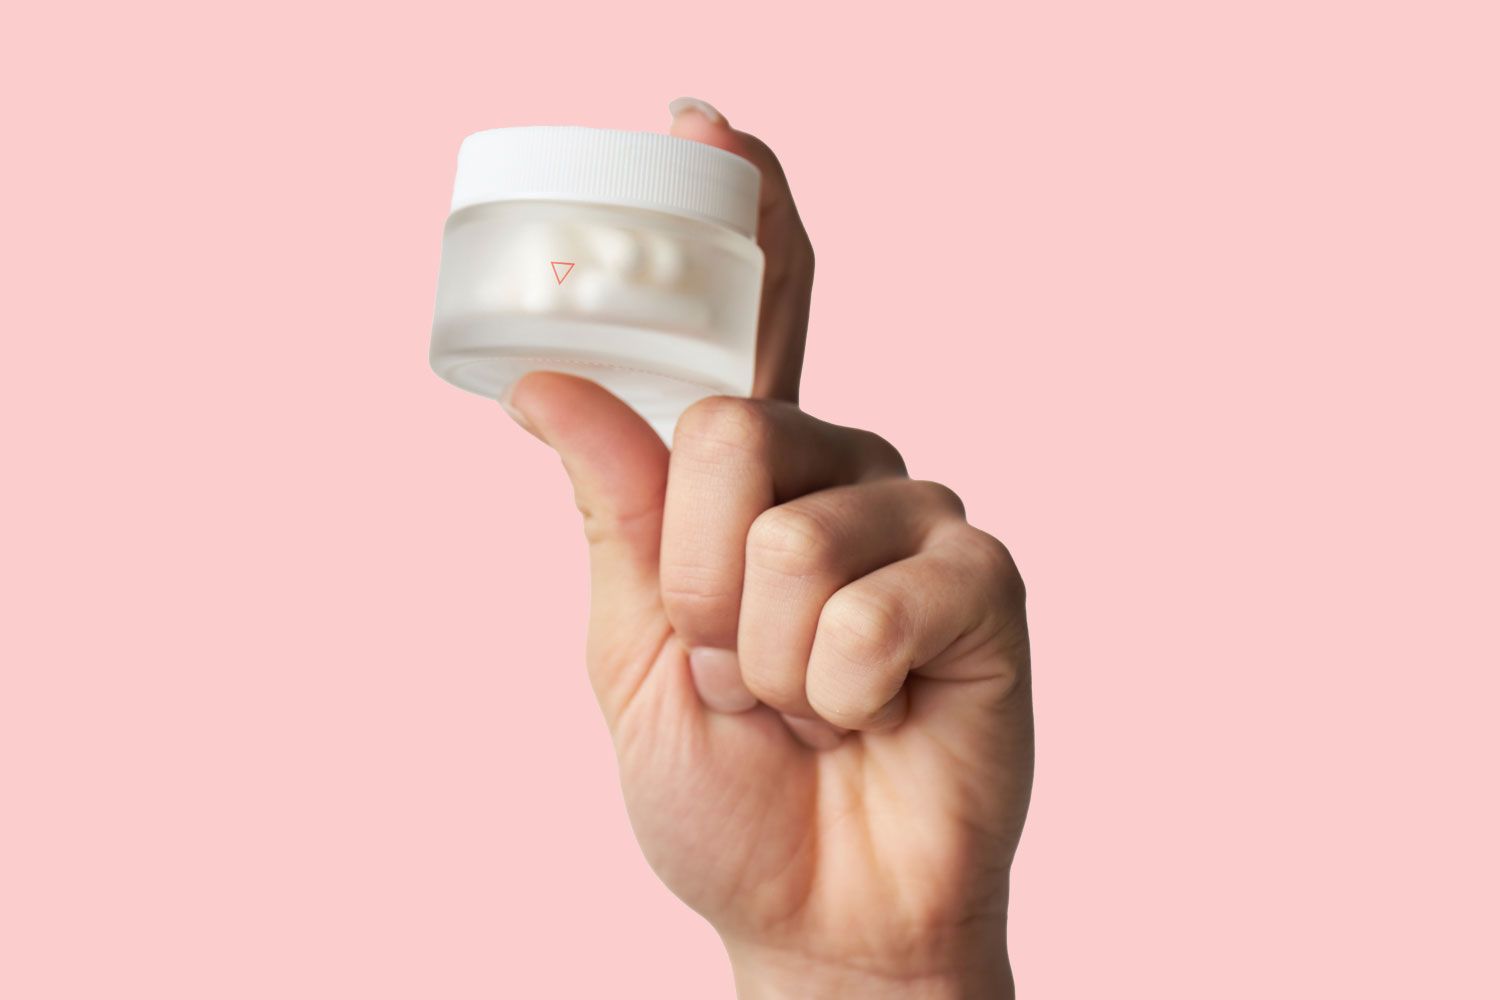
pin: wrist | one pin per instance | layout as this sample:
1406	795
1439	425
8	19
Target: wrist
762	974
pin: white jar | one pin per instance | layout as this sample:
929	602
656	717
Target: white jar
625	257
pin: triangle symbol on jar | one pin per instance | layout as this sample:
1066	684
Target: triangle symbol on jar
561	269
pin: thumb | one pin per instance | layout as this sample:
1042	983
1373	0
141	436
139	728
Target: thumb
618	468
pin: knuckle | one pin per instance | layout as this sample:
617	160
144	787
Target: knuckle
943	497
882	454
790	540
868	630
998	568
723	423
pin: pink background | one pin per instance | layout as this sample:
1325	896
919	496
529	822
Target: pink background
1195	304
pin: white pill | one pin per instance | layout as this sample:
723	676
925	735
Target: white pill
615	250
666	259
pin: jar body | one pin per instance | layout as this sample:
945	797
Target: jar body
658	308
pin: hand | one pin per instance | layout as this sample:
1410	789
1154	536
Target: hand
816	673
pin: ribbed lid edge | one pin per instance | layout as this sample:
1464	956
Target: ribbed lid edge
608	166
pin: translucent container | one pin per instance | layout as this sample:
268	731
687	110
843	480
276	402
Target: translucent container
625	257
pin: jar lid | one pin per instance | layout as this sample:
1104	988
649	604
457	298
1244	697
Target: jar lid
608	166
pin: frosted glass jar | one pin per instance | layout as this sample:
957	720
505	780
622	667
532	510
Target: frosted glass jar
625	257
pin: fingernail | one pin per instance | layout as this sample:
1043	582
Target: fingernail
685	104
815	733
716	675
515	413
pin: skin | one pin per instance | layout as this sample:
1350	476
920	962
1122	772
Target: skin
815	672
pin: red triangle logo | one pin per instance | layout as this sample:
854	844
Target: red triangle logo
566	267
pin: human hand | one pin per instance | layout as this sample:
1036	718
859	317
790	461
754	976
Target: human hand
815	672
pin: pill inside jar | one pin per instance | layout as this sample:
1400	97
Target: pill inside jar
547	268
